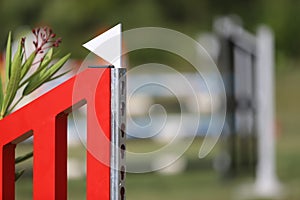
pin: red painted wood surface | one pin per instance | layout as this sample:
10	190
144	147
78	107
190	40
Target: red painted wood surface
46	119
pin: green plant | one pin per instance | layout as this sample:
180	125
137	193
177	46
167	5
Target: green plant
19	77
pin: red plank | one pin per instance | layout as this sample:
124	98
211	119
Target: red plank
46	117
98	141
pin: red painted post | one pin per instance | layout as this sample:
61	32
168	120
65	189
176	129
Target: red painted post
46	118
50	160
98	121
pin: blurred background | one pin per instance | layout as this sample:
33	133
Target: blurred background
216	176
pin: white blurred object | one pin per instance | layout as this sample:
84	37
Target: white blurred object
139	104
210	43
171	130
205	101
267	184
172	168
76	169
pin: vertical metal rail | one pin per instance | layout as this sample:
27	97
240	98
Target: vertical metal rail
118	136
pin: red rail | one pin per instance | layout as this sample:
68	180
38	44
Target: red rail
46	119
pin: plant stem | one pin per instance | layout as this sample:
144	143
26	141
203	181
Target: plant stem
24	157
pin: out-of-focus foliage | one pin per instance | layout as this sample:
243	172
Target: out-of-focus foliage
77	20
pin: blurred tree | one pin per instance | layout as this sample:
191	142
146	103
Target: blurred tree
77	21
283	17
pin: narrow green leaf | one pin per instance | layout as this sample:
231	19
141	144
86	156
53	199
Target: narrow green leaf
19	174
34	75
26	66
35	83
41	69
23	157
58	76
8	57
44	76
13	82
1	92
47	59
57	66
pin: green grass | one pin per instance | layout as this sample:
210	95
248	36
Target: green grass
200	181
